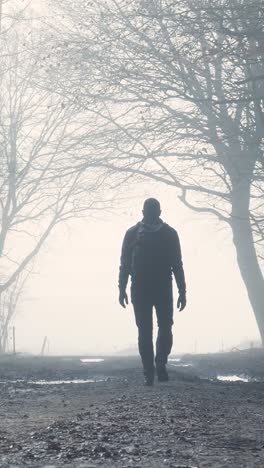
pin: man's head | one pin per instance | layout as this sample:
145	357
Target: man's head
151	210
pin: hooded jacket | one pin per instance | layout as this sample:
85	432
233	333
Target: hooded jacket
150	254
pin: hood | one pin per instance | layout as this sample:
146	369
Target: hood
152	227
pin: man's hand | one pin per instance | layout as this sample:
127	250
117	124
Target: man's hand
181	304
123	299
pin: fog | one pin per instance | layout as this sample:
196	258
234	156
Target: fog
142	114
73	297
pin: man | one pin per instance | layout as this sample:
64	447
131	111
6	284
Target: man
151	252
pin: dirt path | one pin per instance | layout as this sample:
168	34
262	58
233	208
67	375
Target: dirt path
188	422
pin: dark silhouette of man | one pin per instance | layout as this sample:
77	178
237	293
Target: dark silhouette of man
151	252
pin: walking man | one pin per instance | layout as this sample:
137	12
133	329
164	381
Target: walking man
151	252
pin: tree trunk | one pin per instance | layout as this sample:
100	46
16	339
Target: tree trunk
246	252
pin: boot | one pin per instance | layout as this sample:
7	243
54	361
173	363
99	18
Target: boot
162	373
149	377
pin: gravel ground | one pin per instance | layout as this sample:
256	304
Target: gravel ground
191	421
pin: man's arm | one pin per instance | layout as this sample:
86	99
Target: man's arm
124	270
178	271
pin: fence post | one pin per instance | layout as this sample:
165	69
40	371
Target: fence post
44	346
14	340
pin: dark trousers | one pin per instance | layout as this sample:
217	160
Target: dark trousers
143	301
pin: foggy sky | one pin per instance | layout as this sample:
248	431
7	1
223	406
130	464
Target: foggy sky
73	299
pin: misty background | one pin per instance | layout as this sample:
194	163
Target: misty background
72	296
73	299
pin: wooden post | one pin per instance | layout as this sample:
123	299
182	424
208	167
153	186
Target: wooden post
44	346
14	340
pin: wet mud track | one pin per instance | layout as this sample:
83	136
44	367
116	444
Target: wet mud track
117	422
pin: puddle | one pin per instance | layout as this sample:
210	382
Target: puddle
12	381
24	390
62	382
177	362
91	360
235	378
55	382
182	365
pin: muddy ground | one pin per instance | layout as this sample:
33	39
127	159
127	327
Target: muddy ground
192	421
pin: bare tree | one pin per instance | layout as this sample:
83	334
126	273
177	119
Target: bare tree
41	183
11	12
179	86
9	301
